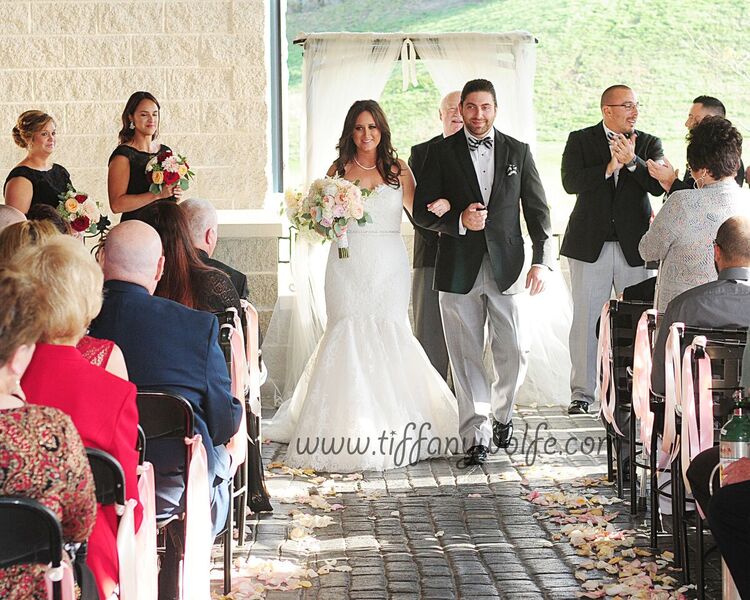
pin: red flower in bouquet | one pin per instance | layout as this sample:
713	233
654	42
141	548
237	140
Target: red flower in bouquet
81	198
171	177
80	224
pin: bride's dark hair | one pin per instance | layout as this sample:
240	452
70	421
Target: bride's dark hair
387	161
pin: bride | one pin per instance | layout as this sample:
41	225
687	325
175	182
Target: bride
369	398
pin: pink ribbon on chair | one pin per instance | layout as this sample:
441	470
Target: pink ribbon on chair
198	539
672	390
126	553
147	566
693	441
252	352
607	397
642	380
63	574
237	445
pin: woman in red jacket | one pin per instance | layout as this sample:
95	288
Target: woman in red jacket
102	406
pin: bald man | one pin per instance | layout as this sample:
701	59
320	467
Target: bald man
10	215
428	326
170	347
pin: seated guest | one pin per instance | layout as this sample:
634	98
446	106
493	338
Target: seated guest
724	303
170	347
681	234
102	353
101	405
186	279
22	233
727	510
665	173
43	457
203	226
10	215
44	212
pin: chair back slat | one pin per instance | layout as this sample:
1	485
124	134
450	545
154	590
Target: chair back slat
163	415
109	478
623	317
30	533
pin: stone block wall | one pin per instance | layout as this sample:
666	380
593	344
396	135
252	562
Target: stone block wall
204	61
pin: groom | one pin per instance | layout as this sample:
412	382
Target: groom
486	176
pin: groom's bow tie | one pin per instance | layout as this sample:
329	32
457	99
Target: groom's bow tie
474	143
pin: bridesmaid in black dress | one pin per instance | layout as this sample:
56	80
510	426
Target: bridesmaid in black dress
35	180
127	183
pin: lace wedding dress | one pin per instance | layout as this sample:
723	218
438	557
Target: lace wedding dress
368	392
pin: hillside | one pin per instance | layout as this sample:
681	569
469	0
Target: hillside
667	51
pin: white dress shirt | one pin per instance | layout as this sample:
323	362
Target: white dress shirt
483	159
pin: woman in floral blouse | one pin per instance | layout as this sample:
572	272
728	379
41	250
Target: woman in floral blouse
41	454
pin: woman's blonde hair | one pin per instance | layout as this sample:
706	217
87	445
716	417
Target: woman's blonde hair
21	304
72	283
25	233
28	123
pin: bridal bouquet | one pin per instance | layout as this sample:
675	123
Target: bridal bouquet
83	214
167	169
327	210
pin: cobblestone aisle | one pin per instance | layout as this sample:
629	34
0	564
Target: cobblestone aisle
431	530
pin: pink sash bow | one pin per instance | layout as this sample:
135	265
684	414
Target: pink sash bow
198	539
693	441
642	379
607	397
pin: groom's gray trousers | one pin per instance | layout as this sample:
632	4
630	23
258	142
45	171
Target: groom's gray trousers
468	321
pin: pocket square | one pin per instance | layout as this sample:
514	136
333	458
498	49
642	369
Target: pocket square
511	170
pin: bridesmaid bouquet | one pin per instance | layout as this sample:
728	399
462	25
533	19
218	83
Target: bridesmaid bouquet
167	169
83	214
327	210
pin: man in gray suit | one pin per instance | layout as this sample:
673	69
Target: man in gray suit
428	326
724	303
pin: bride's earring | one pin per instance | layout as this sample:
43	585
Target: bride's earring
132	125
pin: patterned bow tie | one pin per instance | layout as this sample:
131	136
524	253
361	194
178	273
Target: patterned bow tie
475	143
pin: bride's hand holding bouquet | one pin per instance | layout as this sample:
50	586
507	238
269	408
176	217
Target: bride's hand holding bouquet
328	209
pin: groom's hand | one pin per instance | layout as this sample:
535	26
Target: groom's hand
535	279
474	216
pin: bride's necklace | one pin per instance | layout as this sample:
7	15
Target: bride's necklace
361	166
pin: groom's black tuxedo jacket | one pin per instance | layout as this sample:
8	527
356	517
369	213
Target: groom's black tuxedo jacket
449	173
605	212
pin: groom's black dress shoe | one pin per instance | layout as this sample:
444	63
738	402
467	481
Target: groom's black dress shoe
502	434
476	455
578	407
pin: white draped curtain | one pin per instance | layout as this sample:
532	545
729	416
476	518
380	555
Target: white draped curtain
339	68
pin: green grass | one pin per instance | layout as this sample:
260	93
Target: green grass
668	51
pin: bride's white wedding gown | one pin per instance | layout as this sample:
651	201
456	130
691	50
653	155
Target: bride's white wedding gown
368	389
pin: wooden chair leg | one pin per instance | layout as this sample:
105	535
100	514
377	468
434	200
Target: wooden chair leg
610	470
654	495
620	467
631	466
700	557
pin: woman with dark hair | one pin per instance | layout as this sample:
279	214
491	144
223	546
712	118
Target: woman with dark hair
681	235
186	279
35	180
127	183
369	377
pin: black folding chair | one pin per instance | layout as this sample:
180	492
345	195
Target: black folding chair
623	322
31	534
140	445
725	347
109	478
167	417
